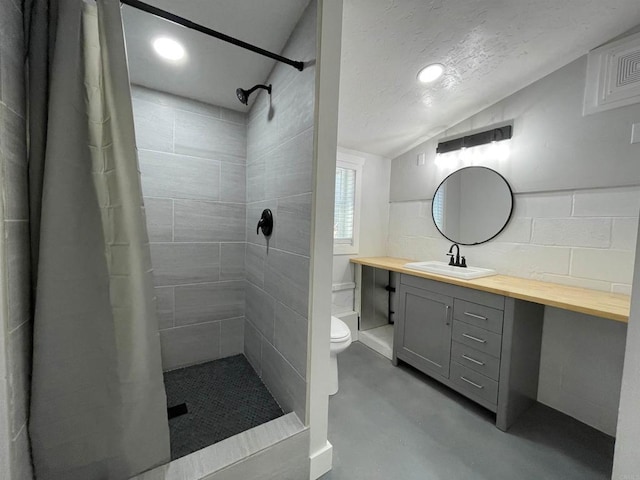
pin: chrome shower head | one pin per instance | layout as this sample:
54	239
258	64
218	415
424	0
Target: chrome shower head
243	95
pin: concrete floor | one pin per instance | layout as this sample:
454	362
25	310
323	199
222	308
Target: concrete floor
391	422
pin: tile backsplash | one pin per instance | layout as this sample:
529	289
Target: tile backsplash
583	238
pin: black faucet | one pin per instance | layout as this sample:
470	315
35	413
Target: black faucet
459	261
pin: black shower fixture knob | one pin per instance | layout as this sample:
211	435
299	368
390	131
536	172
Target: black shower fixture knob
265	223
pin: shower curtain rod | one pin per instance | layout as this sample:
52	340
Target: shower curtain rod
145	7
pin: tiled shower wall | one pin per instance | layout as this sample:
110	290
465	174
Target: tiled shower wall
192	160
15	323
279	177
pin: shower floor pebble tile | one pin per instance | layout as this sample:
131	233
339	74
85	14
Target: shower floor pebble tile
223	397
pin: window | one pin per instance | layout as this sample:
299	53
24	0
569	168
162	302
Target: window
438	207
346	223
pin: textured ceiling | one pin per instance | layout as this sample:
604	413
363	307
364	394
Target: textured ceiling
212	69
491	49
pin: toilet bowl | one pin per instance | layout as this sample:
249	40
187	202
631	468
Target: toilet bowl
340	340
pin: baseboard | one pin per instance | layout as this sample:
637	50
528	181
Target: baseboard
321	461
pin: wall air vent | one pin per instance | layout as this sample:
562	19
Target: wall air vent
613	75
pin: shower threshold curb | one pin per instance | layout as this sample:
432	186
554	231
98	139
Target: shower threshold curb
206	463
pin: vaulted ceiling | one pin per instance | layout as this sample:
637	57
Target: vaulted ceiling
490	49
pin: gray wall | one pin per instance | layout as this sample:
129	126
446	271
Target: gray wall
279	177
553	146
192	161
562	230
15	323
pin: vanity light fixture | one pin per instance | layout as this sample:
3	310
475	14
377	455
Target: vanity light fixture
168	49
482	138
431	73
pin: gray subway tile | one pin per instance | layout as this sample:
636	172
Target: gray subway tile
174	101
178	176
254	263
197	221
232	261
295	108
291	337
18	266
154	125
260	310
256	183
164	307
287	279
290	172
190	345
285	384
233	181
208	302
282	460
159	214
294	224
261	133
19	373
231	337
204	136
253	346
233	116
182	263
254	212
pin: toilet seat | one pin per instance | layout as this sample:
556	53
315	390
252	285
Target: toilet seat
339	330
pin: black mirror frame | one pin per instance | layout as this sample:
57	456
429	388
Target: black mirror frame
506	221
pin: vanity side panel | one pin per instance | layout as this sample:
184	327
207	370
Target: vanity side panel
520	365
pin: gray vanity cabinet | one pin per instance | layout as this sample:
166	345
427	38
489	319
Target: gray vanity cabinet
484	346
424	337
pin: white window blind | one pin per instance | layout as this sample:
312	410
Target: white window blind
344	216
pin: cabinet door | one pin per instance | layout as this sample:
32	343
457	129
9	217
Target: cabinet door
424	330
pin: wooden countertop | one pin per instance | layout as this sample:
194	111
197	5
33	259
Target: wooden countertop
612	306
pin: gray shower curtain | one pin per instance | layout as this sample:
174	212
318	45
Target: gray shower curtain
98	406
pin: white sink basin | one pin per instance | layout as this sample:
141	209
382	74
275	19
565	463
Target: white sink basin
442	268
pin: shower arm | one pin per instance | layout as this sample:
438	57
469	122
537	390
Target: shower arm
145	7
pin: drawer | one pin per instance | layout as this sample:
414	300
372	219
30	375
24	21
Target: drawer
477	338
475	360
475	296
478	315
473	383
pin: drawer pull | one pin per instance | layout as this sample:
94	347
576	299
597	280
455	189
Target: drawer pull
477	362
473	315
475	339
471	383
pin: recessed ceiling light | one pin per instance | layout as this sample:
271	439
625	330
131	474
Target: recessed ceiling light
168	48
431	72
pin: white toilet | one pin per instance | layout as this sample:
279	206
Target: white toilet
340	340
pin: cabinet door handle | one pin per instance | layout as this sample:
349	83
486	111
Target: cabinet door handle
471	383
475	339
473	315
477	362
446	313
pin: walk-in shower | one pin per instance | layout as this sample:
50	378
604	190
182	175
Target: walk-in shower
232	314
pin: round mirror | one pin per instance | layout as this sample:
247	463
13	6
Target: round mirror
472	205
